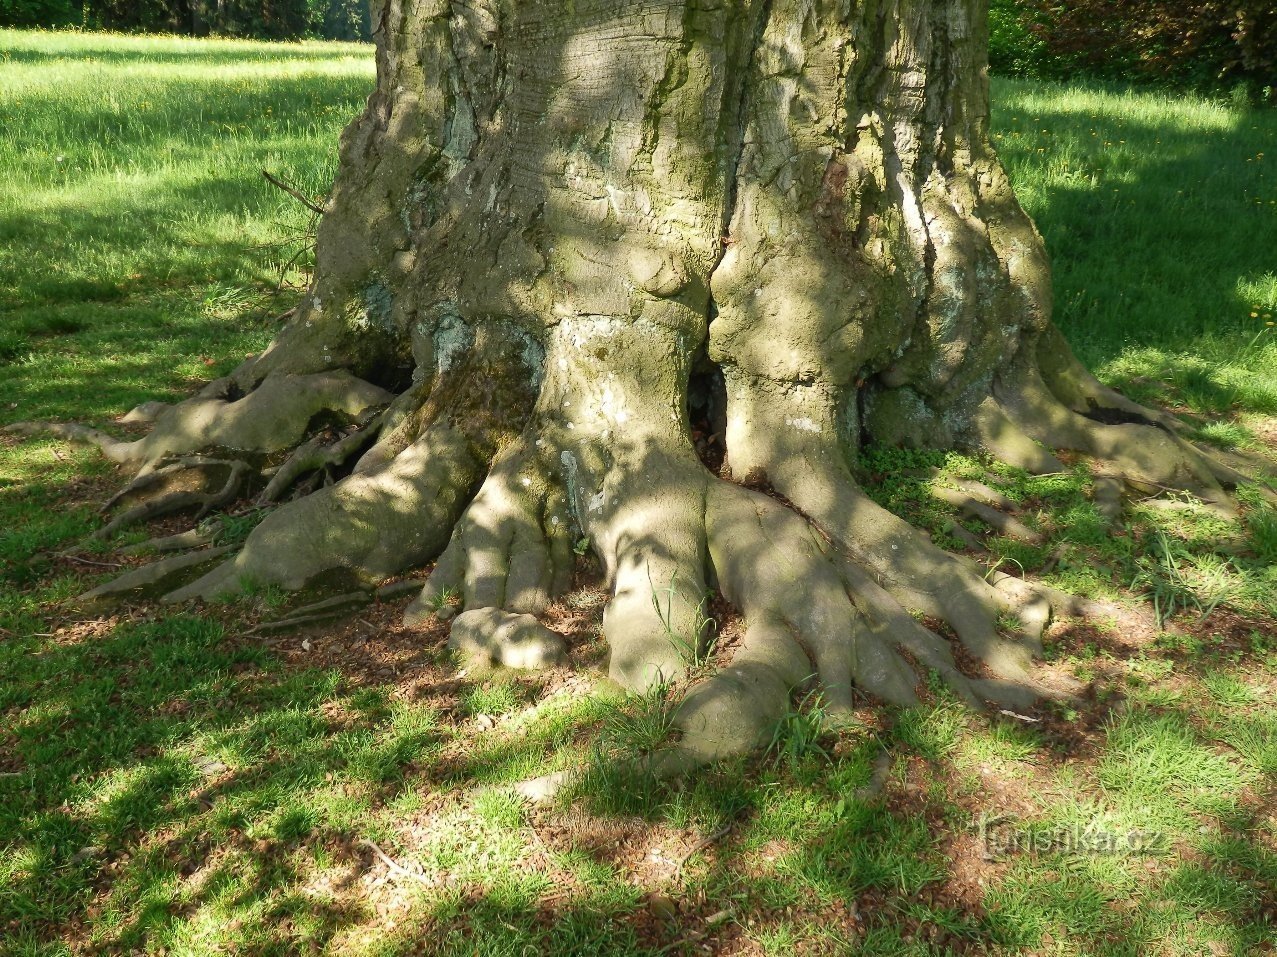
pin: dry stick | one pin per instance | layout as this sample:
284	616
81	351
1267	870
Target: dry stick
395	866
703	843
85	561
294	192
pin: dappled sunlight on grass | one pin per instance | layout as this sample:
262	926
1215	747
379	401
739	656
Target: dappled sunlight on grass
169	783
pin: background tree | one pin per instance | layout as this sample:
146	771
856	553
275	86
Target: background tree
561	236
1214	44
260	19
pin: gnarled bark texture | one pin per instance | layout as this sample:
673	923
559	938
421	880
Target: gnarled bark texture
559	231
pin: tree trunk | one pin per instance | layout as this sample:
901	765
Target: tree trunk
560	233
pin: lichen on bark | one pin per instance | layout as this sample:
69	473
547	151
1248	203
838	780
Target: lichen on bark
550	221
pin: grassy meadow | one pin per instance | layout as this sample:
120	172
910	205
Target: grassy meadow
171	784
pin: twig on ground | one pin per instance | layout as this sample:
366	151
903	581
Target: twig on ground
294	192
88	561
702	844
395	867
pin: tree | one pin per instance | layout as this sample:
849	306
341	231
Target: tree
1209	43
559	234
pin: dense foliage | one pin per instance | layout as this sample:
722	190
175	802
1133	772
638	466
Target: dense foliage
261	19
1205	43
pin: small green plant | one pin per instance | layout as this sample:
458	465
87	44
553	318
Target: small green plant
1160	574
492	698
1261	523
1225	435
268	596
233	529
798	734
696	650
448	596
1228	690
581	547
640	723
500	809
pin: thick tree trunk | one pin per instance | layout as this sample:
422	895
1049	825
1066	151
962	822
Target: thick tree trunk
561	231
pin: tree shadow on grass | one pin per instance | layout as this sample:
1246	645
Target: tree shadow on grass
1159	217
174	783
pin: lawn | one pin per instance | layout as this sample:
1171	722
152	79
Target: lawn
177	783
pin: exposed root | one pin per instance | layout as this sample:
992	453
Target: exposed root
511	549
154	578
180	500
182	541
995	518
315	455
273	417
380	521
490	637
111	447
318	611
811	616
1146	454
144	414
365	528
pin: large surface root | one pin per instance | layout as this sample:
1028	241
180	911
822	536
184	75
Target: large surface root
201	484
511	549
814	618
1144	453
367	527
398	513
273	417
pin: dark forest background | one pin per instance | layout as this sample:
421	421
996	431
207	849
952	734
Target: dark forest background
258	19
1220	45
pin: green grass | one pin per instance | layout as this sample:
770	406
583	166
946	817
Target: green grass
170	785
1160	212
133	211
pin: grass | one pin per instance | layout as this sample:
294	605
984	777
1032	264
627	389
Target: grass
132	203
170	785
1159	212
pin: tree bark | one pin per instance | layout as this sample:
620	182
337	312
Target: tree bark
561	231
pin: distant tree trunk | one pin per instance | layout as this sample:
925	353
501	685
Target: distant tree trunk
563	237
